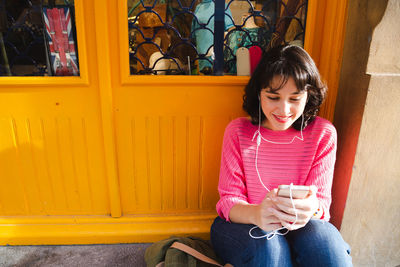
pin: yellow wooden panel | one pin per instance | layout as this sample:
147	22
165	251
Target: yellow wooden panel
46	168
173	164
169	145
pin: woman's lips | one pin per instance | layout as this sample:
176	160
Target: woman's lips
281	119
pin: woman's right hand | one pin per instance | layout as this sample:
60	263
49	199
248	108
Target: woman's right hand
265	219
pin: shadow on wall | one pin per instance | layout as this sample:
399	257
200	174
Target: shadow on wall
363	17
27	182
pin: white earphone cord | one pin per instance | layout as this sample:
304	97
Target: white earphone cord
273	233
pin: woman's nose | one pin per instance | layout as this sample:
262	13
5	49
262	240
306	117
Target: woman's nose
284	108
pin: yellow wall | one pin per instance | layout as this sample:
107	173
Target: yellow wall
108	157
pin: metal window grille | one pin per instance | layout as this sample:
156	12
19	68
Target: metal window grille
201	37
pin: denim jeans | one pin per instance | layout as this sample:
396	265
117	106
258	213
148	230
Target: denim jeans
316	244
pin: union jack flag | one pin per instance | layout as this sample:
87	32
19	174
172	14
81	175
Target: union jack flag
60	38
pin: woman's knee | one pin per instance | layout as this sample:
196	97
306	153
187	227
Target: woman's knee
320	243
233	244
228	241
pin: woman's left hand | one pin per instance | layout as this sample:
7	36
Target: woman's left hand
305	209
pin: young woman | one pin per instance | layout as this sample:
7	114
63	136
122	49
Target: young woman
282	143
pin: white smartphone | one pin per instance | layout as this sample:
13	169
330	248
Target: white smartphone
298	191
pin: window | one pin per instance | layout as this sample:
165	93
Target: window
189	37
38	38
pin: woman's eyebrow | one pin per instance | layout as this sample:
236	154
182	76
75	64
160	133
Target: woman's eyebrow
277	92
272	92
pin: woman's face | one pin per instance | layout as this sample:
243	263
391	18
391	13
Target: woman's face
282	107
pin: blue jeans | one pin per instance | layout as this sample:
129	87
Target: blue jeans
316	244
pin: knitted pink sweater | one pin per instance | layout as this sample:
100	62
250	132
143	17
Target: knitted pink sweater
308	162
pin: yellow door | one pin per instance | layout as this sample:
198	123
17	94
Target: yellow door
110	157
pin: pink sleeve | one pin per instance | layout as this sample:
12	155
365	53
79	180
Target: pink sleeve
321	173
231	184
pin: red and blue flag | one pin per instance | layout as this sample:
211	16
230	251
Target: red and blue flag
61	42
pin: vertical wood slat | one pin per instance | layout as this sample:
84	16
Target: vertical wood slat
27	160
80	162
65	153
193	162
140	173
131	185
39	157
51	130
96	175
201	163
42	136
180	166
154	162
167	165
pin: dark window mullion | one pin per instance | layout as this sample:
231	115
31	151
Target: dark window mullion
219	27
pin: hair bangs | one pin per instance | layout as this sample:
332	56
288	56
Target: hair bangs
285	69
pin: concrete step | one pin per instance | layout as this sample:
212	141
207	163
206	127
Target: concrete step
74	255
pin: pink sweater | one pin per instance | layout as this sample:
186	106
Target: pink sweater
308	162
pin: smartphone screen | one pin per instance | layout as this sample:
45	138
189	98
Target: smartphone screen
298	191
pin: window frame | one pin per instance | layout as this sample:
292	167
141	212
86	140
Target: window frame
126	78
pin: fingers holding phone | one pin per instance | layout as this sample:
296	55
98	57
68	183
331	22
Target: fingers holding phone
303	204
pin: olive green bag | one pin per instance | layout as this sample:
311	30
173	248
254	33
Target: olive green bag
181	251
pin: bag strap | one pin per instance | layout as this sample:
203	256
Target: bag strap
194	253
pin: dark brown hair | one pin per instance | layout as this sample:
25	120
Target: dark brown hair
286	61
